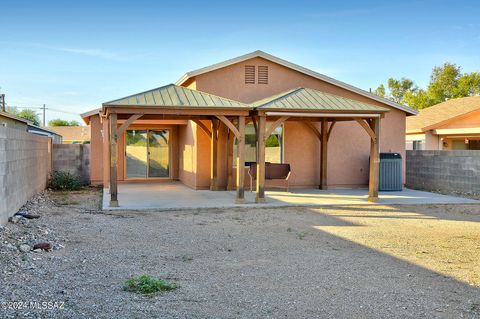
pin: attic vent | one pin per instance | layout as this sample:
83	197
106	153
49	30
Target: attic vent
262	74
249	74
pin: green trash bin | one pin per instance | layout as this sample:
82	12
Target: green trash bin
390	176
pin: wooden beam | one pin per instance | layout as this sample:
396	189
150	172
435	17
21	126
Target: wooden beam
278	122
230	180
230	124
255	126
330	129
214	156
374	162
106	152
203	127
323	155
127	123
261	137
313	129
113	160
366	127
240	197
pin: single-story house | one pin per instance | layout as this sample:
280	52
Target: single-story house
72	134
12	121
451	125
253	108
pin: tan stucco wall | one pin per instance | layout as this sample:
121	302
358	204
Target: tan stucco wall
187	154
349	144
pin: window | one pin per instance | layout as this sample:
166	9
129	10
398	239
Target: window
249	74
273	145
262	74
417	145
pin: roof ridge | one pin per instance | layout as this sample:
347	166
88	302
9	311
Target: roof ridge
298	68
275	97
175	86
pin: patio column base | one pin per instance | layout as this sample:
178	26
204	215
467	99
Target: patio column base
372	199
259	200
113	203
239	200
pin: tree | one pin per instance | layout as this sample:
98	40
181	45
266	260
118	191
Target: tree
398	88
60	122
380	90
27	114
446	82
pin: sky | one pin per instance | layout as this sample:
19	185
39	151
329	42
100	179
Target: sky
74	55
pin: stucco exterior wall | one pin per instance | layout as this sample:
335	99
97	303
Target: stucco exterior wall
187	154
349	144
96	150
25	165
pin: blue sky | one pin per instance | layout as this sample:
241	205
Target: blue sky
74	55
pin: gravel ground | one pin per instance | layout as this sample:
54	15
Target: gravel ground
363	262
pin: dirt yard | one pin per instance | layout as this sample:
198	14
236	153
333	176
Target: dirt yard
336	262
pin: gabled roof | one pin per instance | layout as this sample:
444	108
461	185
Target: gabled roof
310	99
298	68
176	96
14	117
434	116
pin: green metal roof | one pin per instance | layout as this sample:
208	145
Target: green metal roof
176	96
310	99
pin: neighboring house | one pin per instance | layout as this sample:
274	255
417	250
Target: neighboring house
451	125
37	130
72	134
173	132
12	121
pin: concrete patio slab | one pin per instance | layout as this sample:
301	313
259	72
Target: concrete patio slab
175	195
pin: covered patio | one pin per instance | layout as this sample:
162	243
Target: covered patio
164	196
221	118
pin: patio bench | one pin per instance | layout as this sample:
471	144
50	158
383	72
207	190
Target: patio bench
272	171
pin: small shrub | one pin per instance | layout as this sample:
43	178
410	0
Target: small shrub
148	285
61	180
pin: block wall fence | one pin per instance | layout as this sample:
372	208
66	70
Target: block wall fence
25	165
455	172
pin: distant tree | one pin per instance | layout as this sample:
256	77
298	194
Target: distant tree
380	90
60	122
446	82
27	114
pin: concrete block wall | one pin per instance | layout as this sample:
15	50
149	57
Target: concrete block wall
445	171
73	158
25	164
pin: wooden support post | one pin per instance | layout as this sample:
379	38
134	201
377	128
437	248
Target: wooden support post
113	160
230	180
323	154
260	188
374	161
106	152
240	198
214	156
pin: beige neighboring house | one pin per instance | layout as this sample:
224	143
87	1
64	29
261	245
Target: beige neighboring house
451	125
73	134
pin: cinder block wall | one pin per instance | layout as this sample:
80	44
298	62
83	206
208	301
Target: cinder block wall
445	171
25	164
73	158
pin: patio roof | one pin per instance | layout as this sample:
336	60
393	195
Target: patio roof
306	99
177	97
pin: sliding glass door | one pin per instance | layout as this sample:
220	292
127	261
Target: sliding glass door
147	154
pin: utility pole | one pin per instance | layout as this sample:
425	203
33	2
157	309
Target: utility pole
43	115
2	103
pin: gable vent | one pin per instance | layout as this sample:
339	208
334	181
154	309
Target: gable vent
262	74
249	74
